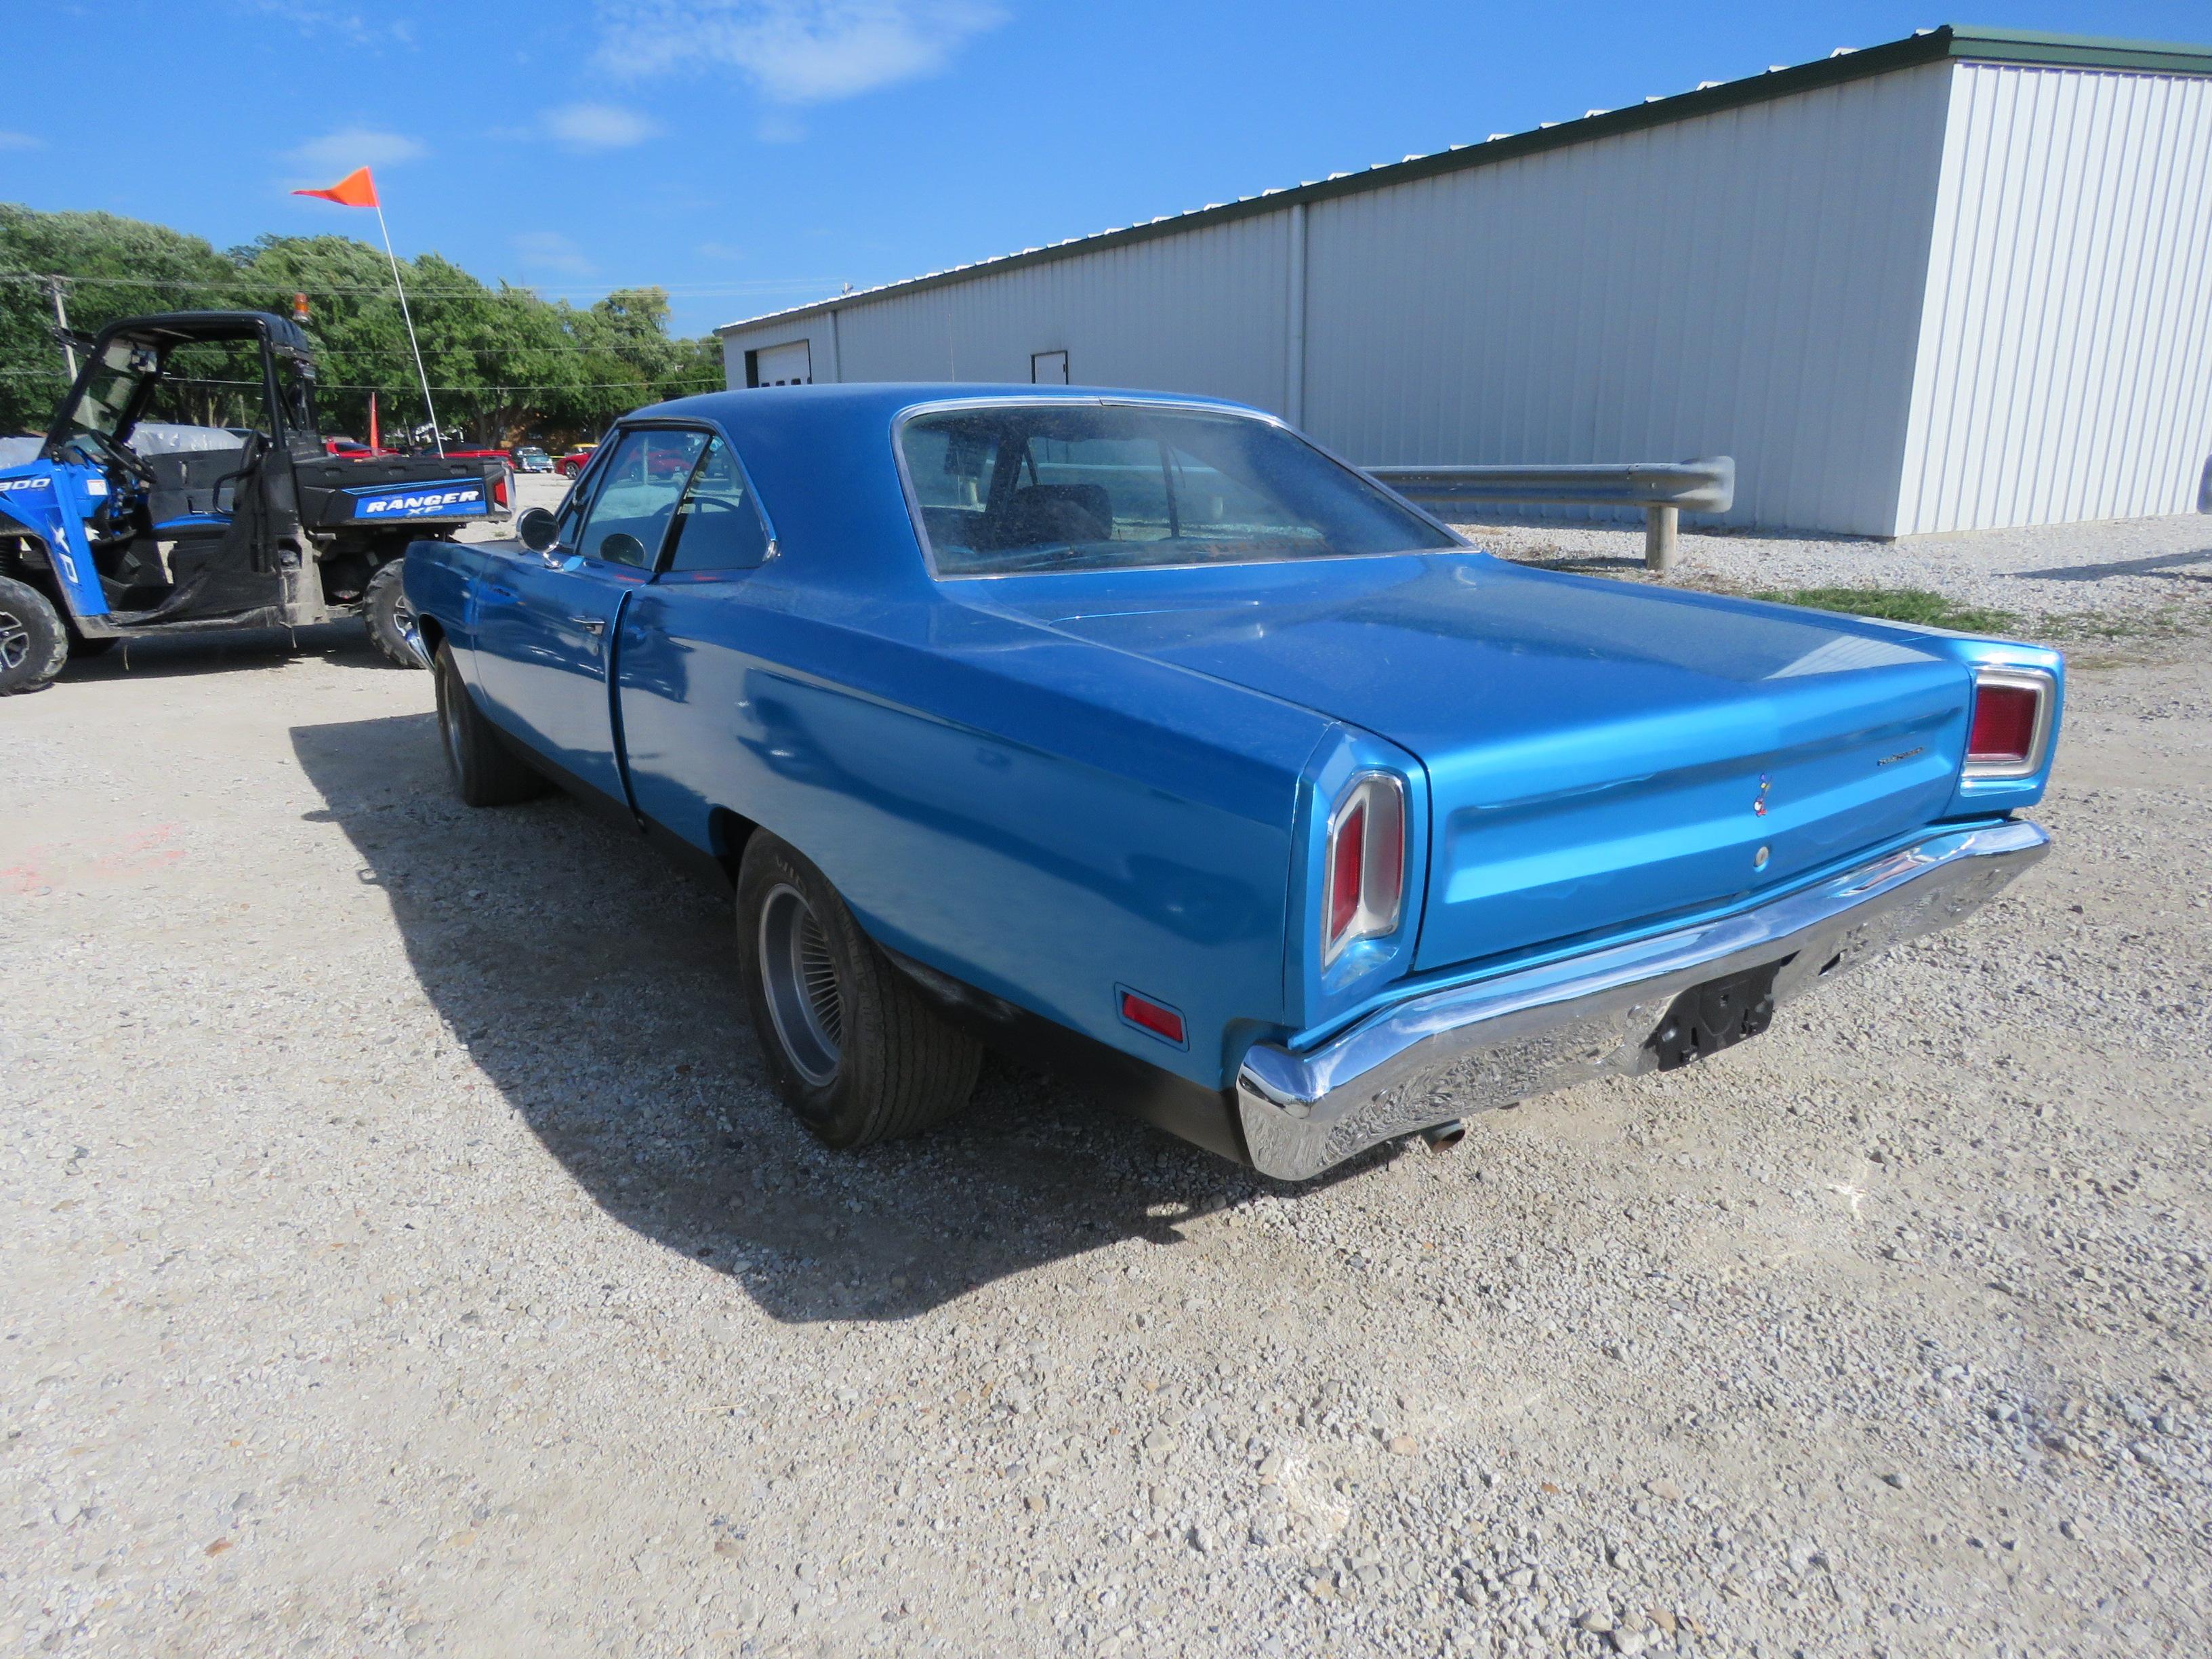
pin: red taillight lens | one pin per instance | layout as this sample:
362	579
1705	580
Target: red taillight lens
1365	877
2004	723
1348	864
499	488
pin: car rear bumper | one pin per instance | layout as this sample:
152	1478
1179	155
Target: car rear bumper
1445	1054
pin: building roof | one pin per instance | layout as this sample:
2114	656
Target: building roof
1950	42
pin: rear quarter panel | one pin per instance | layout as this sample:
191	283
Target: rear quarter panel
1041	819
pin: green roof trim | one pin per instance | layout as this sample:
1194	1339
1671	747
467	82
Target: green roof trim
1953	42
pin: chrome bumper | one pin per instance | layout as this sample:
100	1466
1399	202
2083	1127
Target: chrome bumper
1470	1048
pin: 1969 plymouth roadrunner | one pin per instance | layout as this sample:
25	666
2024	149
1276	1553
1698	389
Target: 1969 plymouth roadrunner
1136	734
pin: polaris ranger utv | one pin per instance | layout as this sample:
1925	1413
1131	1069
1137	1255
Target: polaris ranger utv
184	486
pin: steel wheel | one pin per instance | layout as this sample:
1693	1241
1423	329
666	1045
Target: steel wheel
15	640
801	980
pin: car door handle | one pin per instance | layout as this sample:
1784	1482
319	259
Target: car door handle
590	624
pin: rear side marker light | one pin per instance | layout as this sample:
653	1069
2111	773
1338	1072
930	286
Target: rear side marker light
1364	885
2011	723
499	490
1157	1017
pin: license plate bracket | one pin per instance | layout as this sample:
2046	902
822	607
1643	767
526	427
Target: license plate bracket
1716	1015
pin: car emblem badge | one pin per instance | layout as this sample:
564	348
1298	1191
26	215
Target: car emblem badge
1758	806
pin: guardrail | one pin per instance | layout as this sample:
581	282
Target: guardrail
1663	489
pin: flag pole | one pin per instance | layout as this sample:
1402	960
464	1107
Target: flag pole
420	374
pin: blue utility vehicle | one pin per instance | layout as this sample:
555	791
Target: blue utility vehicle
1139	735
184	486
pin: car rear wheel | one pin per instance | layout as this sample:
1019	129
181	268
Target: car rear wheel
485	770
391	618
856	1050
32	644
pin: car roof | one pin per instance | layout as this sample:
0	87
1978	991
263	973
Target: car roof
822	459
885	399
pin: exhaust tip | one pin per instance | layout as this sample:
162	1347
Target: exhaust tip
1444	1136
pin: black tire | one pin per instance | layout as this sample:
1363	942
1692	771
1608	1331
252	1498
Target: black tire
34	644
892	1065
391	618
486	771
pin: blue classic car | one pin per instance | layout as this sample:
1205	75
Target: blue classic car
1137	735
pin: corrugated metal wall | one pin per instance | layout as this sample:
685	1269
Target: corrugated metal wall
1746	284
2065	364
1200	312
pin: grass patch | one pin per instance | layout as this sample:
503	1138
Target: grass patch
1904	605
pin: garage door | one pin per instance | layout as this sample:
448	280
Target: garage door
784	365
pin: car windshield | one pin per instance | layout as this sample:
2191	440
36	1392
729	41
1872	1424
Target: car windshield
1065	485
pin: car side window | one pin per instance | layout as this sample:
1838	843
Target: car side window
636	499
718	525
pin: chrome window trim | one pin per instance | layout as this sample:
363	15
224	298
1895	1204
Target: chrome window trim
2045	686
657	566
1113	400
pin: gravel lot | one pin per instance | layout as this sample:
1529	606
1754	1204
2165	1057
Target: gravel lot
2071	579
406	1255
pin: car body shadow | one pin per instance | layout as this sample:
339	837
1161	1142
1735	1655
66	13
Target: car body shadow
593	983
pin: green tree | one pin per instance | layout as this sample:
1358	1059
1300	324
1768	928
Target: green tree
503	364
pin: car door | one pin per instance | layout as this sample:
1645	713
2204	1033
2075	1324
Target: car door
680	668
546	623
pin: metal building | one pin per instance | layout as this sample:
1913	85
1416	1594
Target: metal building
1960	280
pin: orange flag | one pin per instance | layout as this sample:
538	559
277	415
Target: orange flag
356	189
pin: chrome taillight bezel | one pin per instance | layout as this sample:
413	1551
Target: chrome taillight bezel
2045	688
1383	796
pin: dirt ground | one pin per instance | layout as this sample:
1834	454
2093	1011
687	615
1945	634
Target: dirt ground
404	1254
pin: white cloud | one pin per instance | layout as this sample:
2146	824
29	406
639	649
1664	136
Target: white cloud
795	51
341	152
599	126
315	17
548	250
21	141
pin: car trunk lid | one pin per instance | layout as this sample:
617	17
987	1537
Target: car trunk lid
1597	753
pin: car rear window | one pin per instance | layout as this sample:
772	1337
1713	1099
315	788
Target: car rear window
1067	485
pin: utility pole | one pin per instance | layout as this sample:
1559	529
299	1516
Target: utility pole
54	286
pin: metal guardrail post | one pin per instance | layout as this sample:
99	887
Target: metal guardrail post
1662	490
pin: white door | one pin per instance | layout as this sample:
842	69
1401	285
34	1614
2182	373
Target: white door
1048	369
784	365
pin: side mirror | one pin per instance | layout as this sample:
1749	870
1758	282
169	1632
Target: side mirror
538	529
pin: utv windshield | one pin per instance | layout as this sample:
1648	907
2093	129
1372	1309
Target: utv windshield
1063	486
103	403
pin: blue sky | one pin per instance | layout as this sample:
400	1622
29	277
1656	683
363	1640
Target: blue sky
751	153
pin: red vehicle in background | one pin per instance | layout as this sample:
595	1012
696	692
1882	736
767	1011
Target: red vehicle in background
574	461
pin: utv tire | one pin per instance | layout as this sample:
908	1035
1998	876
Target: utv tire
391	618
856	1050
33	645
485	770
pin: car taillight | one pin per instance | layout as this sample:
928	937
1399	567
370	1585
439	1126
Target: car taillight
1364	885
499	488
2012	710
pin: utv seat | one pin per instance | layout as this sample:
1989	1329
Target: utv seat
194	489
